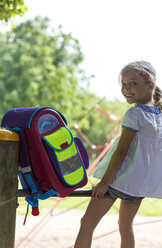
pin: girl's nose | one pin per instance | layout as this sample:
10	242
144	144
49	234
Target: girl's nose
127	86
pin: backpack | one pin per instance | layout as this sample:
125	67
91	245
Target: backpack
52	161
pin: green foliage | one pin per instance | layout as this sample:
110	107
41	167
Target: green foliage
11	8
40	66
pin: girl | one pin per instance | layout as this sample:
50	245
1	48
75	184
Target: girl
135	169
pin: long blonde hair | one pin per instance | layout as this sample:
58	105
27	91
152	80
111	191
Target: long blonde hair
149	72
157	97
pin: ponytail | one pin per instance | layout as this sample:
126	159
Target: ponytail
157	97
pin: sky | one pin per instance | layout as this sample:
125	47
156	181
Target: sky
111	33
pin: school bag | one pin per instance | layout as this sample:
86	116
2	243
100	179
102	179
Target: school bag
52	161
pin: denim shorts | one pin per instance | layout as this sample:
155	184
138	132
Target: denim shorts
117	194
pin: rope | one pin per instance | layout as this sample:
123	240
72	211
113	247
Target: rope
109	117
26	238
101	155
37	228
116	230
95	147
88	112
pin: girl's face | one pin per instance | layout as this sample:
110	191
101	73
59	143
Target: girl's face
135	87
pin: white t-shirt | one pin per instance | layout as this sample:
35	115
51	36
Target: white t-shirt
141	171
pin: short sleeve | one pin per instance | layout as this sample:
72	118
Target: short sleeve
130	120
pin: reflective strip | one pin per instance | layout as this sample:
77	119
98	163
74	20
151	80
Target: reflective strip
70	165
25	169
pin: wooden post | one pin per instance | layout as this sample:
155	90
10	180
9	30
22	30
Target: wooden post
9	155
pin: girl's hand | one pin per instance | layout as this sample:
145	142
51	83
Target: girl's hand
99	191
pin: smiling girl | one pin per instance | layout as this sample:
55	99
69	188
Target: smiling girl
134	170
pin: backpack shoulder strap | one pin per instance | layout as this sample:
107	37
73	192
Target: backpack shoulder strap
25	171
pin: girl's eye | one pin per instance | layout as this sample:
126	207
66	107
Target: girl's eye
123	84
133	83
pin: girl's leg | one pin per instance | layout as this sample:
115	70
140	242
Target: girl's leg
127	213
95	211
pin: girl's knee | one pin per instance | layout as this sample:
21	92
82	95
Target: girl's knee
87	223
84	221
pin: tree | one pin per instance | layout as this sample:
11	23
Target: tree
40	66
11	8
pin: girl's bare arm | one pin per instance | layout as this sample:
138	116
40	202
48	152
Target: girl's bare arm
115	163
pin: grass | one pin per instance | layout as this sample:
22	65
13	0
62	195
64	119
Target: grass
149	207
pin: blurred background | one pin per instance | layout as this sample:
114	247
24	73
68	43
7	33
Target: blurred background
110	34
67	54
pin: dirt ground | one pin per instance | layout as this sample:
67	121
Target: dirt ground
60	230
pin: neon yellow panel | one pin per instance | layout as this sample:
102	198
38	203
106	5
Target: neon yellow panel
59	137
67	153
74	177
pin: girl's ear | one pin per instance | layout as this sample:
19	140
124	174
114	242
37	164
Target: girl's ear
151	86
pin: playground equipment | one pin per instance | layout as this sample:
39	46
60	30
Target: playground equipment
72	193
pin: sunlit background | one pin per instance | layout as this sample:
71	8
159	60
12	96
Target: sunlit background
111	34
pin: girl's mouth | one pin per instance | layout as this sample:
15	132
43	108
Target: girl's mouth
128	96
